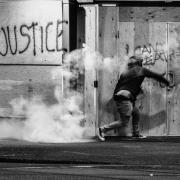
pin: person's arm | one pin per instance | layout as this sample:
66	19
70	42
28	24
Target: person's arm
159	77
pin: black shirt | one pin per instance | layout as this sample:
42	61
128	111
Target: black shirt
132	78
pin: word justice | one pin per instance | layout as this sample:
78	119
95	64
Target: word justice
17	40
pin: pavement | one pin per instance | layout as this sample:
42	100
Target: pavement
117	158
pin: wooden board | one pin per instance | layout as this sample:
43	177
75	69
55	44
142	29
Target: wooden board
141	39
158	109
28	81
174	68
133	33
31	32
31	43
149	14
108	36
121	31
90	74
126	41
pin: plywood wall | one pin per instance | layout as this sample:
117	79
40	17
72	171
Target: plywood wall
158	114
173	92
31	47
135	27
90	92
27	82
108	36
29	34
147	14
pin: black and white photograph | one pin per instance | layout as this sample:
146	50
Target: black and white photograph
89	90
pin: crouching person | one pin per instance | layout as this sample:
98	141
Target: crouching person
127	89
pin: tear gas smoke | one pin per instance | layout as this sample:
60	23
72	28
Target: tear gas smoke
34	120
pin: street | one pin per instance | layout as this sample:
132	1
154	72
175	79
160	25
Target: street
114	159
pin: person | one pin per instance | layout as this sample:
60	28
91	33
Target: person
127	89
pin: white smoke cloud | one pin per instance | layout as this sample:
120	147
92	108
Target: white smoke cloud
95	60
34	120
43	123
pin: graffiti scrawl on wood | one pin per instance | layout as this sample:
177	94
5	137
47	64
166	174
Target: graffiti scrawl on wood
152	54
28	34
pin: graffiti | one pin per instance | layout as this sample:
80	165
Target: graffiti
152	54
17	40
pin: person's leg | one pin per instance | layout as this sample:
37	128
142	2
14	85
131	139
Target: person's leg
135	120
135	123
113	125
125	110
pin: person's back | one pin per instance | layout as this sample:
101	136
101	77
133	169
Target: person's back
133	76
131	80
